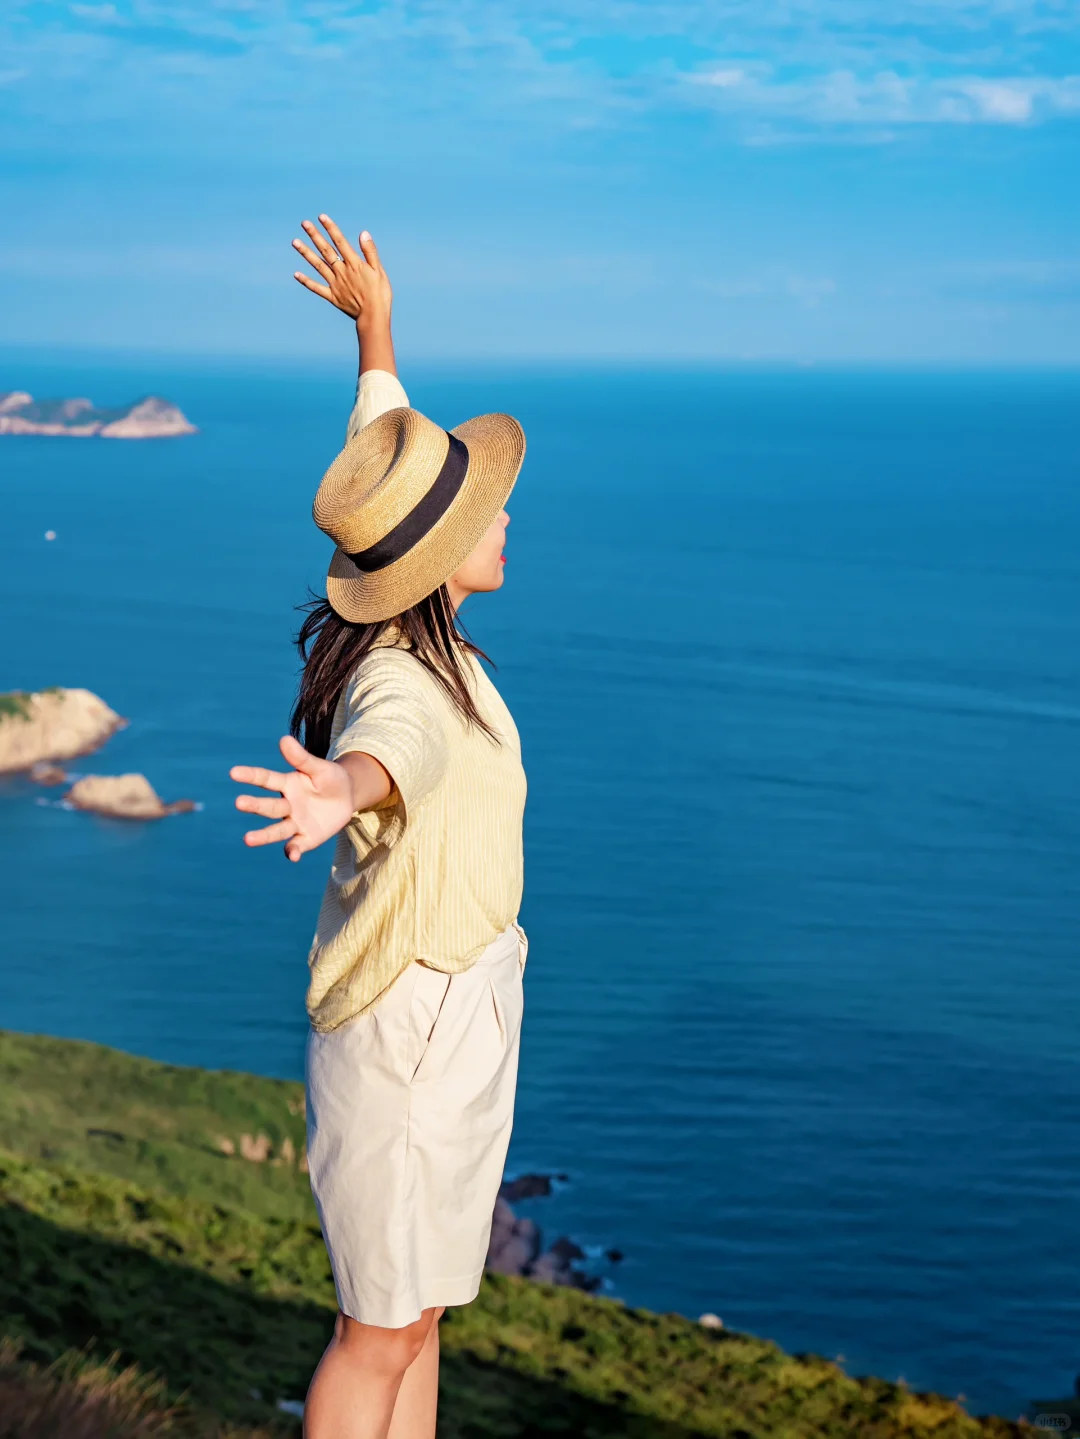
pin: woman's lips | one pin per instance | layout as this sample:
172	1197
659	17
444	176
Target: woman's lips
502	559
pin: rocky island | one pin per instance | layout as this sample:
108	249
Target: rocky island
151	418
40	730
123	796
52	724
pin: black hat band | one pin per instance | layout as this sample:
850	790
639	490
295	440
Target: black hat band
423	516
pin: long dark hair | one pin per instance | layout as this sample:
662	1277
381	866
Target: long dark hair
331	648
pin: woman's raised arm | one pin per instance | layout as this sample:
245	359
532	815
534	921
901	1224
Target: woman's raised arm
356	284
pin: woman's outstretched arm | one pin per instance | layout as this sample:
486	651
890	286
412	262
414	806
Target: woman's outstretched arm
318	797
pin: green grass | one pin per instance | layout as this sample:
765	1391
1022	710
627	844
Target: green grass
231	1304
15	705
112	1113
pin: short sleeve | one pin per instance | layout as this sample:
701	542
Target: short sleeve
389	714
376	392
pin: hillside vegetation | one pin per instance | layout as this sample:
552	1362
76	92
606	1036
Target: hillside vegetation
127	1250
100	1110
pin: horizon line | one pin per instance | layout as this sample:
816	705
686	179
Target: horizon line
41	350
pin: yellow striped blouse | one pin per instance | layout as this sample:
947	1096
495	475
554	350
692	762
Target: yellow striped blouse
435	874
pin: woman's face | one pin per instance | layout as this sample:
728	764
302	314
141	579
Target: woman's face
483	570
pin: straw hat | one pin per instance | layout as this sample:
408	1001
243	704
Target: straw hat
406	503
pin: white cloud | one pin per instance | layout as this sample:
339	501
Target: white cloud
534	69
1000	100
99	14
841	97
723	79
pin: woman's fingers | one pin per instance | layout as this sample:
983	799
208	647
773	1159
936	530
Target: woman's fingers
268	808
345	250
309	284
294	753
264	778
325	269
367	247
295	848
272	834
324	247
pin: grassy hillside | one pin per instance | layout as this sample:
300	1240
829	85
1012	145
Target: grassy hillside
111	1113
231	1304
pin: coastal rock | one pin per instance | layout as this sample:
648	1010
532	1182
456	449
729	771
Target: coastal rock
255	1148
123	796
529	1186
151	418
515	1248
556	1266
514	1242
53	724
48	774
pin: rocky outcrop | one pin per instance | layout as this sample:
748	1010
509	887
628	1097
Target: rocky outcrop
52	724
48	774
259	1149
516	1245
151	418
123	796
530	1186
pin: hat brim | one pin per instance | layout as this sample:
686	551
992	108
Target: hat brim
496	446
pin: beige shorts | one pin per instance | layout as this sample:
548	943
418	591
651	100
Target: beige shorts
409	1111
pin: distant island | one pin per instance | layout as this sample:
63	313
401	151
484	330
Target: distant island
52	725
39	731
151	418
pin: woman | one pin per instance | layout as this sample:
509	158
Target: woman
411	759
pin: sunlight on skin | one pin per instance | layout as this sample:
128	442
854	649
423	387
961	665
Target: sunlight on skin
484	570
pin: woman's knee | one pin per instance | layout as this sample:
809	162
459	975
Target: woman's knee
391	1351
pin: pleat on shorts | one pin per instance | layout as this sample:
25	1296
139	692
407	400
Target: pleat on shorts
409	1111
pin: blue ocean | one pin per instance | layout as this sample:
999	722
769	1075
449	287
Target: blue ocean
795	658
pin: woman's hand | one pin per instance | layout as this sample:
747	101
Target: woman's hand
356	283
318	796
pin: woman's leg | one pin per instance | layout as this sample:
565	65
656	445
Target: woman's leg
356	1385
418	1396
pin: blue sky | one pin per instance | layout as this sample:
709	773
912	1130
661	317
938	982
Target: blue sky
741	180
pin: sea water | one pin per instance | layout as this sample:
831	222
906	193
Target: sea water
795	657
